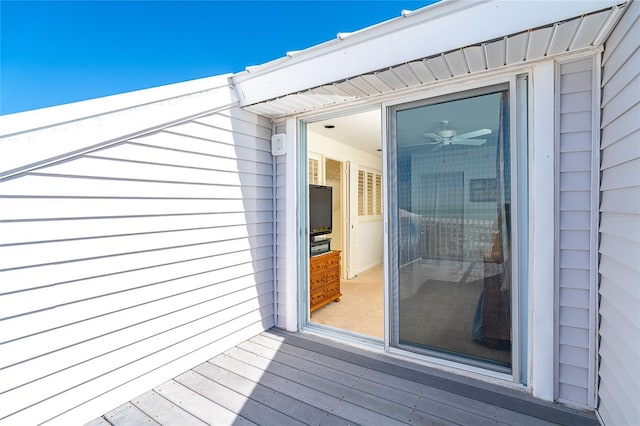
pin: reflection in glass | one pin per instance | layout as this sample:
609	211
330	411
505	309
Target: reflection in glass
453	194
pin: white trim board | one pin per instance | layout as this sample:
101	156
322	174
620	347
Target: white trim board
361	50
62	132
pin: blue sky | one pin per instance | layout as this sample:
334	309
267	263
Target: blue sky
56	52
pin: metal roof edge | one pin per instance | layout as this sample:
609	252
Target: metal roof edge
446	7
11	124
58	133
346	55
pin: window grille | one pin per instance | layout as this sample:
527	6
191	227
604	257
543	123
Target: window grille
314	173
361	193
378	194
369	193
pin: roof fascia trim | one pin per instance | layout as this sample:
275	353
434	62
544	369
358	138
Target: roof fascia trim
372	48
433	11
30	149
435	88
26	121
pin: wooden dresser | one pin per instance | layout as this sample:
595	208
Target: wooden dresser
324	286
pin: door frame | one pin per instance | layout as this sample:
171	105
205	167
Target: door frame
302	180
519	103
536	153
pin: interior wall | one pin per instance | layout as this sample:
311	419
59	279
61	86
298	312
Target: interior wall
369	241
369	233
426	163
341	151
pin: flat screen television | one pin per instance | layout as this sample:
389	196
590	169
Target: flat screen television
320	210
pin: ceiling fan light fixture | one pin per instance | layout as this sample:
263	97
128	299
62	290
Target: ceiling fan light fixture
446	136
448	133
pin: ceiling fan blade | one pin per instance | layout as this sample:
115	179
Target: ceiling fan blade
434	137
476	142
471	135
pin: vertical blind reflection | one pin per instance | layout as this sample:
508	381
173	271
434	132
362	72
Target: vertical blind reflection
453	194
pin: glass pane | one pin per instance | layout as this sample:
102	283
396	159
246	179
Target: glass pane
453	195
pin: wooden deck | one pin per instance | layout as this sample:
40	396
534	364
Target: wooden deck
278	378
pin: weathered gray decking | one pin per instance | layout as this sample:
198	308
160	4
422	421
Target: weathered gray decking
280	378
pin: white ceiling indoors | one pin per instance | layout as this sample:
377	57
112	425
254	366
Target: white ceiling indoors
361	130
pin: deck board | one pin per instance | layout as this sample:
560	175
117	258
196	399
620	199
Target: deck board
452	406
237	403
430	400
240	361
127	415
327	383
379	396
535	411
199	405
279	378
292	407
164	411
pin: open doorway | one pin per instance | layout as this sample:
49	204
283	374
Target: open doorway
344	154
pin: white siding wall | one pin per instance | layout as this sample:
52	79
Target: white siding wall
619	369
123	267
575	259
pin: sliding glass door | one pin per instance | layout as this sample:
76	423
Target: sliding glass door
451	228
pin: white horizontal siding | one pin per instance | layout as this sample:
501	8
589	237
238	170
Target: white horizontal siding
123	267
575	254
619	328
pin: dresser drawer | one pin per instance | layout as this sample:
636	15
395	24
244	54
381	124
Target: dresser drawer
318	296
333	261
332	290
318	280
317	265
332	275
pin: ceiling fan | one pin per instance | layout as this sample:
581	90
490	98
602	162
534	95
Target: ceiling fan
447	136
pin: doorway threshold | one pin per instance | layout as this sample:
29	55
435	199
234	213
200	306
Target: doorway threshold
344	336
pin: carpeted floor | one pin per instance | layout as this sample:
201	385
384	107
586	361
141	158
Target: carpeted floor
424	307
440	316
360	310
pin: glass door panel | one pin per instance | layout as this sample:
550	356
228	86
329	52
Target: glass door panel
452	296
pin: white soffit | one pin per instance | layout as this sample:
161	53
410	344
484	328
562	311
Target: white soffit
585	31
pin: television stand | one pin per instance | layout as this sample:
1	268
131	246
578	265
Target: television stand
318	247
